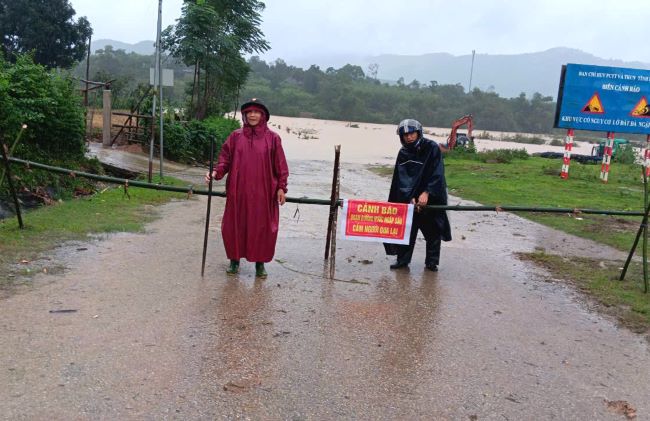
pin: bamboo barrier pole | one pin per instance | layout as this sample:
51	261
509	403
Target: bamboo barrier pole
328	202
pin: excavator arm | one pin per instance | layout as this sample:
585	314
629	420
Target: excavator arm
453	136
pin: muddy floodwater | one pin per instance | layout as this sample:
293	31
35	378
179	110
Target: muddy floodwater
130	330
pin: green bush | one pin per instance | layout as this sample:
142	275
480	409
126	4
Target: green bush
50	106
460	152
190	142
47	102
519	138
625	154
501	156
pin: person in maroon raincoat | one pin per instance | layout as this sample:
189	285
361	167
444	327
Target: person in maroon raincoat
257	170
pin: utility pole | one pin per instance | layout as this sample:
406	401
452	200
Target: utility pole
90	37
160	84
156	84
88	133
471	73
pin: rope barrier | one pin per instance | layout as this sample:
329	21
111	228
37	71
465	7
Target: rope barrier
309	201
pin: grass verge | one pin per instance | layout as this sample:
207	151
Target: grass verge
535	182
107	211
623	300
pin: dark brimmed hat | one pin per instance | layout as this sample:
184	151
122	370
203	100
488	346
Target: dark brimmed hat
256	103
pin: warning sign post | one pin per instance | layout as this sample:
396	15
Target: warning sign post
605	99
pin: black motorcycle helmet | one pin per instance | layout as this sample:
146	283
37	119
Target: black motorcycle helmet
409	125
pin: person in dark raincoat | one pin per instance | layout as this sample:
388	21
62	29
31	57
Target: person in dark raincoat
419	178
257	172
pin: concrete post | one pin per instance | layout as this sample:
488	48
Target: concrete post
106	131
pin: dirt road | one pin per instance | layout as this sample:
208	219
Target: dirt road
131	331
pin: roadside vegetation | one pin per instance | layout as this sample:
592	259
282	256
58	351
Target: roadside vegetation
502	178
41	119
189	142
599	280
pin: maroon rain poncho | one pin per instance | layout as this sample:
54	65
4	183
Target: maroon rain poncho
256	166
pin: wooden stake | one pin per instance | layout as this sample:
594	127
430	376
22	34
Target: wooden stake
333	200
644	223
207	216
11	186
335	212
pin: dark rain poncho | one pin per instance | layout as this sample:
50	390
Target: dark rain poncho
420	168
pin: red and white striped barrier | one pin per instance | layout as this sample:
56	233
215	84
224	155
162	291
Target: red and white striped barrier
607	157
568	146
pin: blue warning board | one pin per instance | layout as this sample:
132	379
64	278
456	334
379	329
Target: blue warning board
607	99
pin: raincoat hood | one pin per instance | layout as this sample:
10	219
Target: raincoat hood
260	128
255	103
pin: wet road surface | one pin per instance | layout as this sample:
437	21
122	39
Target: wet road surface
484	338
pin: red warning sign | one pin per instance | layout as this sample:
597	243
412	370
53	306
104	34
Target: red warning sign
594	105
385	222
641	109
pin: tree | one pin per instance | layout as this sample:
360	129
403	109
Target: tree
46	27
350	72
373	68
312	78
415	84
48	103
212	35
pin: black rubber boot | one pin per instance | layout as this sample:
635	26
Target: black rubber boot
233	269
399	264
432	258
260	272
403	258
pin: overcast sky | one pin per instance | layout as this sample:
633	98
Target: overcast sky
309	28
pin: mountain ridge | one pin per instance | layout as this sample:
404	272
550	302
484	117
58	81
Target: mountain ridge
506	74
142	47
509	75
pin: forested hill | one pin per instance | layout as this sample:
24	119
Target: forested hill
345	93
349	94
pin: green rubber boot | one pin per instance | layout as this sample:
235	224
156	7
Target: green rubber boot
233	269
259	270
